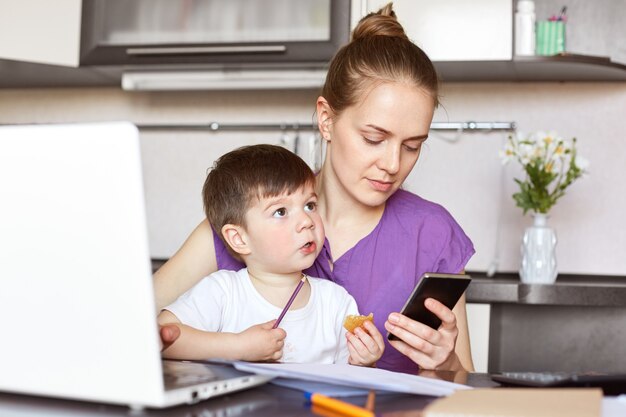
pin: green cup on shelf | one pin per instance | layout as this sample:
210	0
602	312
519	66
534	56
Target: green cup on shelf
550	37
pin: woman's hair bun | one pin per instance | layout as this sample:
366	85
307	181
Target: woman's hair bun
380	23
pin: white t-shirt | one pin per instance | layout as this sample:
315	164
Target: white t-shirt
226	301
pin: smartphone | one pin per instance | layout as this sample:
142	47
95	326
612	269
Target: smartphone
445	288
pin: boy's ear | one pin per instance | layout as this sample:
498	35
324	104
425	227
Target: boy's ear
324	118
235	237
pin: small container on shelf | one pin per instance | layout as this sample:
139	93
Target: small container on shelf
525	28
550	37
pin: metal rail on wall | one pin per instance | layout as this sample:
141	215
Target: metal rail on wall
214	126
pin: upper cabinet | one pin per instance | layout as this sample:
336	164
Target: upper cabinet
473	41
163	32
46	32
286	43
165	44
455	30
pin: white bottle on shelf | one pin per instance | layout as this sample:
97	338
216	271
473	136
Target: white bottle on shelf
525	28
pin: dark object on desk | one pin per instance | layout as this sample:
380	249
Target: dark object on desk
445	288
611	384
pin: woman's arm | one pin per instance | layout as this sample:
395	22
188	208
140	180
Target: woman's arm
463	347
192	262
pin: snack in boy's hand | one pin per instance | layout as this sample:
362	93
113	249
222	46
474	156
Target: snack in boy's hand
353	321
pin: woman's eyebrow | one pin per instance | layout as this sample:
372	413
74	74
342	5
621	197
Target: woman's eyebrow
380	129
385	131
421	137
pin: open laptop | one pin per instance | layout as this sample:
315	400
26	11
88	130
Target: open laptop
76	295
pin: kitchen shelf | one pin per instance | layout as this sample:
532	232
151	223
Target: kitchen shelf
14	74
568	290
17	74
565	67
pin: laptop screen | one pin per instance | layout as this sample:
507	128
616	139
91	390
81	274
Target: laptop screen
76	276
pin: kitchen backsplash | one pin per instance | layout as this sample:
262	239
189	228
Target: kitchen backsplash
464	175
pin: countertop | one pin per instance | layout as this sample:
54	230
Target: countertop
568	290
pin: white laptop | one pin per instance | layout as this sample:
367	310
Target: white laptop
76	296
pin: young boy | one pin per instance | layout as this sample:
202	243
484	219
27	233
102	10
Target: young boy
261	200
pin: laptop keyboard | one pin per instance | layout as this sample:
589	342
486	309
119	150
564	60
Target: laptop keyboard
180	374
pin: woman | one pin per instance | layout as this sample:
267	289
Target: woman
374	113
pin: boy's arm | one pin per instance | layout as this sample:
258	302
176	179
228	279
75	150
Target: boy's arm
194	344
257	343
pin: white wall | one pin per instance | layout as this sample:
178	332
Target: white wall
468	178
465	176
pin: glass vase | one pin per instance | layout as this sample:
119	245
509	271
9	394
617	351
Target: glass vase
539	252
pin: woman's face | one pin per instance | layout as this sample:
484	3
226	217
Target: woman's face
374	144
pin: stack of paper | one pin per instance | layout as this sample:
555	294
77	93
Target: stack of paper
355	376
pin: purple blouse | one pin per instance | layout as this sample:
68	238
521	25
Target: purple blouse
413	236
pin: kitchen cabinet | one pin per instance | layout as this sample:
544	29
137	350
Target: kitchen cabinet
468	41
456	30
46	32
271	40
212	32
473	41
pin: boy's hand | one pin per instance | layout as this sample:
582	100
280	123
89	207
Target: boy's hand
261	343
365	346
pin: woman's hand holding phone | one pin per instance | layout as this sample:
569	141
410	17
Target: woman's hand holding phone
429	348
426	330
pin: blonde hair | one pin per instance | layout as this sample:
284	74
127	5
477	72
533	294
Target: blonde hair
380	51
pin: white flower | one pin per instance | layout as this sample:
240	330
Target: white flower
549	168
582	163
568	145
506	156
555	165
526	151
537	136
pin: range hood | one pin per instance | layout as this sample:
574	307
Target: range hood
226	79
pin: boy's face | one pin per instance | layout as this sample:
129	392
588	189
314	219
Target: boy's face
284	233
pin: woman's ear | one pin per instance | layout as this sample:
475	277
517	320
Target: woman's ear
324	118
235	237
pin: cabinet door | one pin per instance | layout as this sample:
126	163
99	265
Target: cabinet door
212	32
453	30
46	32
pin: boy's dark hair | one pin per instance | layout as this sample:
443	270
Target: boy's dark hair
248	173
